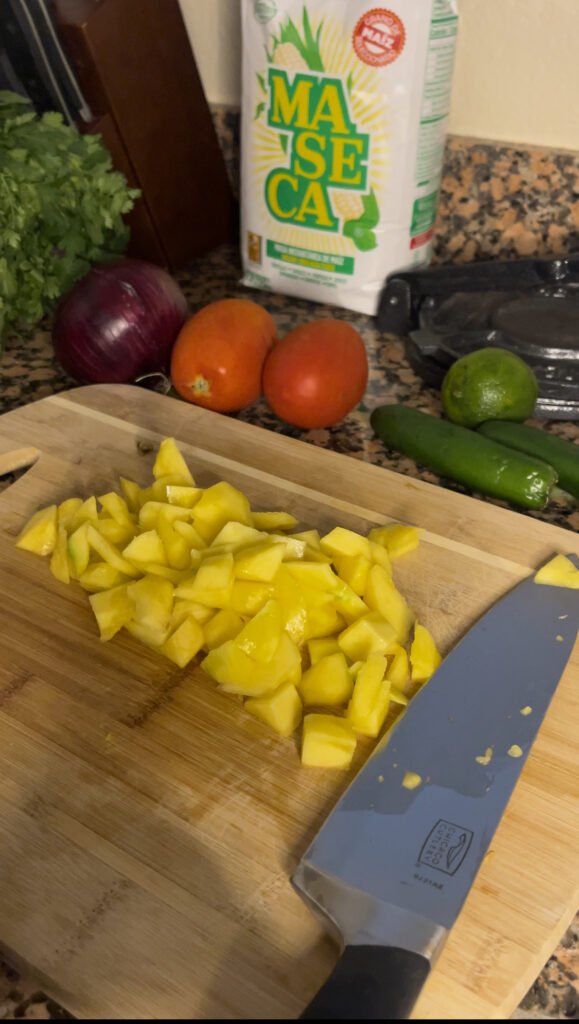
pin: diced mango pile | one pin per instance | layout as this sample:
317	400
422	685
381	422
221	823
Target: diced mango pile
291	621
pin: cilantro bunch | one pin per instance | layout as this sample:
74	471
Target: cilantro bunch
61	207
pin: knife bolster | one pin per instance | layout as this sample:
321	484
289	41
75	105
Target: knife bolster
357	918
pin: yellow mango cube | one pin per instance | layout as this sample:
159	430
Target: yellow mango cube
237	535
115	532
218	505
341	541
151	510
108	551
290	597
316	555
348	603
319	647
353	570
153	600
40	533
380	556
282	710
370	634
424	656
158	490
381	595
261	636
79	550
151	638
184	643
170	461
112	610
131	493
398	671
558	572
165	571
310	537
318	575
317	579
236	672
212	582
101	576
368	707
145	547
177	547
191	535
258	562
327	682
59	561
87	513
224	625
273	520
323	620
247	598
293	548
398	696
397	538
327	741
117	508
183	496
67	510
312	598
182	608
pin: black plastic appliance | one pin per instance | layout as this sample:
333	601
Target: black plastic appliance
530	306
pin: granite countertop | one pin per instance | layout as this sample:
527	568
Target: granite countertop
29	371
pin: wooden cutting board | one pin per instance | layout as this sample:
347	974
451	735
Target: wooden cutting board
148	827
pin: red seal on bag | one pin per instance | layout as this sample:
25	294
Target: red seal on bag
379	37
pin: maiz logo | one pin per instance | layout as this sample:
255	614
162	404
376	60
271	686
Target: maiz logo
324	149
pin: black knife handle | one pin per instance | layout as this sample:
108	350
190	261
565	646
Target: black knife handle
370	983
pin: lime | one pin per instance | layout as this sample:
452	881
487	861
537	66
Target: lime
489	384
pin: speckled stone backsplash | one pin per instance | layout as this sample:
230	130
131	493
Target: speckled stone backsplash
496	200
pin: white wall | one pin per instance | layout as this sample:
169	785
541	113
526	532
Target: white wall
517	72
214	28
516	75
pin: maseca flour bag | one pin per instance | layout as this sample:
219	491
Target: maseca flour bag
344	118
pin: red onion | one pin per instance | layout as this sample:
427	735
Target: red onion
118	322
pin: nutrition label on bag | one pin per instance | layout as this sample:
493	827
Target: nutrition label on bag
433	120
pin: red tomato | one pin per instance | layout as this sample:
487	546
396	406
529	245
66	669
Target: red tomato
316	374
218	357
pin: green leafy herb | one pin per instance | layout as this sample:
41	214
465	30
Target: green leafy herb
61	209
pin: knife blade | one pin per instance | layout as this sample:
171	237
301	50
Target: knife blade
391	867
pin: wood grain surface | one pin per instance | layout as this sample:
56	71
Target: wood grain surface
148	826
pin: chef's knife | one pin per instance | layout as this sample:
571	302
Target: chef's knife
391	867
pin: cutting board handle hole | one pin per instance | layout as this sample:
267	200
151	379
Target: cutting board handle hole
15	464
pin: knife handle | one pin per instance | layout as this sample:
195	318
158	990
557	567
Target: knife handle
370	983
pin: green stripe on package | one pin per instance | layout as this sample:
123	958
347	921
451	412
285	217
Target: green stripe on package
345	109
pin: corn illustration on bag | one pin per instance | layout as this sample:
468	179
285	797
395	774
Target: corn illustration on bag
344	117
